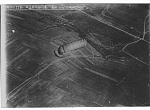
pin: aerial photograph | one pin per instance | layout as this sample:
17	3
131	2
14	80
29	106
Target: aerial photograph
77	55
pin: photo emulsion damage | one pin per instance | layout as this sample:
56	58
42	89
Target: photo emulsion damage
77	55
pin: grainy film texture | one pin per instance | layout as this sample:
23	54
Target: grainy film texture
77	55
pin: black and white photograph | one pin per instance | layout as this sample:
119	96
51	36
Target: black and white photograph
77	55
